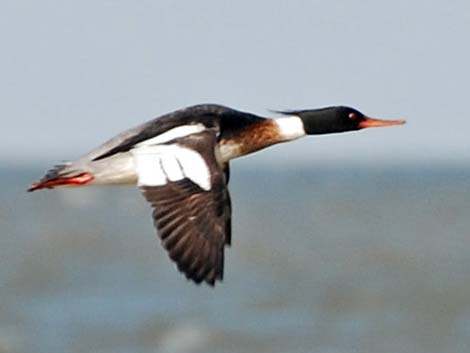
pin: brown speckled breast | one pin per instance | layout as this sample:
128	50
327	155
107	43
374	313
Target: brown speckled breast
249	139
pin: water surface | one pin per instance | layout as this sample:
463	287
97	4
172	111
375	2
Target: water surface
371	259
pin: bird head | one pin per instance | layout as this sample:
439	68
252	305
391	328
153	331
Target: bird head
338	119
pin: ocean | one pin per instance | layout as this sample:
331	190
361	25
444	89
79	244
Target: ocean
329	259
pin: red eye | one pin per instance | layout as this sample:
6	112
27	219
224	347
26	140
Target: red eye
352	116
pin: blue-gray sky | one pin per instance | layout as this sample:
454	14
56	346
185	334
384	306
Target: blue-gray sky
74	73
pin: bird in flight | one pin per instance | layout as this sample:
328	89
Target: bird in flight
180	161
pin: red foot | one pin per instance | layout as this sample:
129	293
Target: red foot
77	180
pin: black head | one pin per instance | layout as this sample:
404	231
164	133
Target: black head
338	119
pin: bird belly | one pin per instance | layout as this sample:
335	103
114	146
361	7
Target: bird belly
118	169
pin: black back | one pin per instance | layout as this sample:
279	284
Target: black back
225	119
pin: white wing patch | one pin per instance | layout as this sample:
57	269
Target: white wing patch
171	167
157	165
172	134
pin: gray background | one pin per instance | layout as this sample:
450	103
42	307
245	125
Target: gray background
75	73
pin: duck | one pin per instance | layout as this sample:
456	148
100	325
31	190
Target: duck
180	162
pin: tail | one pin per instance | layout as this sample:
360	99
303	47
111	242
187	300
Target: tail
62	175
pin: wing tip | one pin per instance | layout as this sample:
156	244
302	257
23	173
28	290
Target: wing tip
210	281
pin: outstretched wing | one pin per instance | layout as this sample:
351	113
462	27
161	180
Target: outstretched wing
187	189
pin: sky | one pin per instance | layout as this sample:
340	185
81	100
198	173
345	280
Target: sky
75	73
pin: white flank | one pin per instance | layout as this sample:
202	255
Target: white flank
172	134
157	165
290	127
118	169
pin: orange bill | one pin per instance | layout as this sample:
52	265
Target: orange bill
370	122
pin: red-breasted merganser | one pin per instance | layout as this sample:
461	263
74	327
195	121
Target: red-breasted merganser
180	161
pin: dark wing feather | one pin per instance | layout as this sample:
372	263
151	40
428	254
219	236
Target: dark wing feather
193	223
228	208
